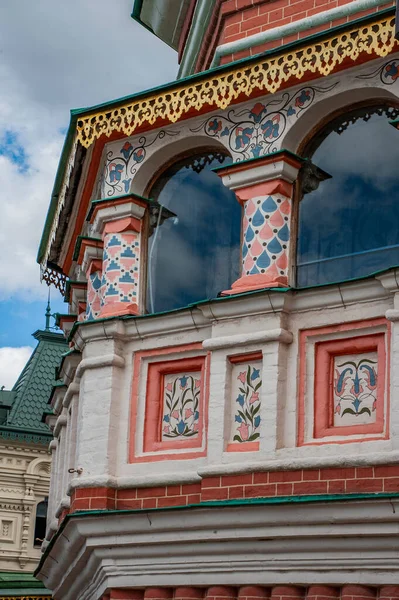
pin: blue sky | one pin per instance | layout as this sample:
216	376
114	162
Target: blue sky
55	63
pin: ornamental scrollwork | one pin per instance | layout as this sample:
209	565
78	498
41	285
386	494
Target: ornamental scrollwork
121	165
389	73
253	132
223	88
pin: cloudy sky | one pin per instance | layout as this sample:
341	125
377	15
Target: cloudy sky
54	56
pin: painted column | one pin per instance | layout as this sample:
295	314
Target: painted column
124	224
264	187
89	255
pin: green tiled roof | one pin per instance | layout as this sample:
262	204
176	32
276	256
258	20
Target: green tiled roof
10	580
32	390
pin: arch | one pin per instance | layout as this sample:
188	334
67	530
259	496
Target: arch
39	466
314	118
196	255
347	226
163	156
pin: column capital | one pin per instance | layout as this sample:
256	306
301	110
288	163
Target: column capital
86	250
269	174
108	211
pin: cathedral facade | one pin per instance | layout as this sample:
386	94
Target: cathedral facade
226	417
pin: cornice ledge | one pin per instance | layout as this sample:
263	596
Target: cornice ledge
61	422
98	362
308	462
133	481
91	331
244	305
70	393
392	314
246	339
65	503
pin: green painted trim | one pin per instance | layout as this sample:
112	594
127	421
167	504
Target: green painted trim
66	149
199	24
136	12
259	159
215	504
395	123
190	79
78	244
58	317
322	18
15	434
69	284
226	299
101	201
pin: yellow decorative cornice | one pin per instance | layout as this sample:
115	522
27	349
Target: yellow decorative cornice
25	597
223	87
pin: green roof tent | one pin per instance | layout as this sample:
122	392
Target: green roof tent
21	586
22	408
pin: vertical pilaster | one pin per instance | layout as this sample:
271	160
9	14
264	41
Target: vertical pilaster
89	253
124	225
264	187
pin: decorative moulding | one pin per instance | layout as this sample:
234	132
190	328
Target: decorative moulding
244	402
171	389
343	394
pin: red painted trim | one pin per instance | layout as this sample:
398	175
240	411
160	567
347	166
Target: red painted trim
137	367
345	480
87	244
236	359
154	403
242	447
323	388
121	225
185	30
309	333
275	186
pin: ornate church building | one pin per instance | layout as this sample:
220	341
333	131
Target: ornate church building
227	417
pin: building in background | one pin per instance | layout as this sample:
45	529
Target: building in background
25	462
227	415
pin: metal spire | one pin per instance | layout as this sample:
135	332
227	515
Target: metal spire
48	312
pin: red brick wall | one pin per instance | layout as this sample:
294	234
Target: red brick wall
257	592
348	480
236	19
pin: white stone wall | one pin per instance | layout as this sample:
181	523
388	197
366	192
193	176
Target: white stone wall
24	482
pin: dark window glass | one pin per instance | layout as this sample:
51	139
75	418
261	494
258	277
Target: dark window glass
40	523
349	226
197	255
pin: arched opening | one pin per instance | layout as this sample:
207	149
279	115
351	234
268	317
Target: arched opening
348	227
196	255
40	523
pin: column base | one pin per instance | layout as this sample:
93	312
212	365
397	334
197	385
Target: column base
117	309
250	283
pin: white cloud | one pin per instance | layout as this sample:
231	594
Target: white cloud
12	361
66	55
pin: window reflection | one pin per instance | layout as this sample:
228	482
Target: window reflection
348	227
195	256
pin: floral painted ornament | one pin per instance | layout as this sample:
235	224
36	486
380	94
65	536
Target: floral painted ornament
247	415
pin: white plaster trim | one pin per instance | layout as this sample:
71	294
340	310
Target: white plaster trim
114	213
53	445
136	481
109	360
61	422
392	315
306	462
297	26
279	169
240	339
71	391
65	503
303	543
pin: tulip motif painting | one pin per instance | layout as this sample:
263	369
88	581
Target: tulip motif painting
181	405
246	388
355	389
